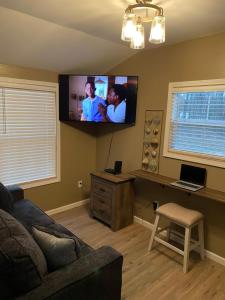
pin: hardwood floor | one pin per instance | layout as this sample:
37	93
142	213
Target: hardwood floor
155	275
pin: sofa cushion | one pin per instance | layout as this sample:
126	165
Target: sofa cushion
6	199
22	263
29	214
59	249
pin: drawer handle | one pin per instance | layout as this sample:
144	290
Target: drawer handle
102	190
101	200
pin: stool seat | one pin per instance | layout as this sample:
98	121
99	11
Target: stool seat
180	214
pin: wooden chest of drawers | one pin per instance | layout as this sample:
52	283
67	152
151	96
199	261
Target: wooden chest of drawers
112	198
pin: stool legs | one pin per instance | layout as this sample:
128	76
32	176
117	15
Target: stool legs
168	233
187	239
153	233
201	239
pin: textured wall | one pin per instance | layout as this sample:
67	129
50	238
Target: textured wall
193	60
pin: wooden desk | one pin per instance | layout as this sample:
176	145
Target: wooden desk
166	181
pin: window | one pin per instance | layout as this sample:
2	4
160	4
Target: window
195	122
29	132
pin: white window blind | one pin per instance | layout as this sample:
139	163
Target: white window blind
195	126
28	135
2	113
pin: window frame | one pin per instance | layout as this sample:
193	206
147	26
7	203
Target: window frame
7	82
190	86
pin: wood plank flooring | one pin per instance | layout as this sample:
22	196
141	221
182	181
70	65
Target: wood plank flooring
155	275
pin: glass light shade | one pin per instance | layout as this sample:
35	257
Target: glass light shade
128	27
157	34
138	37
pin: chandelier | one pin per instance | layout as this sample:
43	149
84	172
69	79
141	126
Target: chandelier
137	14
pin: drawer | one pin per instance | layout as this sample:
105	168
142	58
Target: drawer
101	188
103	201
101	212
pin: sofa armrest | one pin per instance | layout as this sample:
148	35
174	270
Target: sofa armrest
97	275
16	191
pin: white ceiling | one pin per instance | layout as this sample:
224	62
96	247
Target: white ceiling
84	35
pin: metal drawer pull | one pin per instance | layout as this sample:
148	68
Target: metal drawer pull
102	190
101	200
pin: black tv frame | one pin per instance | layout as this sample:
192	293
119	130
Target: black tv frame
64	105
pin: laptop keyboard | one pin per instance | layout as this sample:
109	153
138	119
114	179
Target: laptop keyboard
188	184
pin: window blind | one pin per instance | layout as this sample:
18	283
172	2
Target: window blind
28	136
197	123
2	111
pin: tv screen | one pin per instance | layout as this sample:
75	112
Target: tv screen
98	98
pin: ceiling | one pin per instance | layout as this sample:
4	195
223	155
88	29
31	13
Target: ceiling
84	36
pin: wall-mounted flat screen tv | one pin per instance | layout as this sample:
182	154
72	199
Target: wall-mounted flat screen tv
98	98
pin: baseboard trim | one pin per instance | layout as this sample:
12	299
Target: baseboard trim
66	207
210	255
215	257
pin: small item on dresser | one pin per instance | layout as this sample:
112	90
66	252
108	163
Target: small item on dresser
117	168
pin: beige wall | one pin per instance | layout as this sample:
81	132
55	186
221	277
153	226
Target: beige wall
194	60
78	154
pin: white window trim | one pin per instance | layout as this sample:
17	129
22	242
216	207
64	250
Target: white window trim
201	85
41	86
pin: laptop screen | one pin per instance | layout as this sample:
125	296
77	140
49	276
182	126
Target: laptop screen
193	174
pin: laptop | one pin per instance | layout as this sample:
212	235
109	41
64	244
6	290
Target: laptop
191	178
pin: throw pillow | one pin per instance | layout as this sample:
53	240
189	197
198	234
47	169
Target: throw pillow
59	251
61	232
22	263
6	199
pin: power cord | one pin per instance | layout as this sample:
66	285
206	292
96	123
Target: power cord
109	151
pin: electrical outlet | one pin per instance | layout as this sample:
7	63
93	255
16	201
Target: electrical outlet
80	184
155	205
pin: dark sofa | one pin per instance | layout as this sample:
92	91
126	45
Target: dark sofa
97	274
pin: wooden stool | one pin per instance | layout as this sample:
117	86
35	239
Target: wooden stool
186	218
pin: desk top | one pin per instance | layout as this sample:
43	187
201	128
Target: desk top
120	178
166	181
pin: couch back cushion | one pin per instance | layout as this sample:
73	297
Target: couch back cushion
22	263
6	199
29	214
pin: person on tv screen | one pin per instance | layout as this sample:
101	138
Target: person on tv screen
90	111
116	110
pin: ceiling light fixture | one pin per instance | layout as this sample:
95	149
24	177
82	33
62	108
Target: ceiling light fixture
135	16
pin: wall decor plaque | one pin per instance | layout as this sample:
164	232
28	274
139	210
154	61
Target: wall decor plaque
151	141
